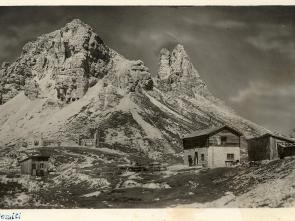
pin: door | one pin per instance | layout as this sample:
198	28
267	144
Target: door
190	160
196	159
281	151
34	169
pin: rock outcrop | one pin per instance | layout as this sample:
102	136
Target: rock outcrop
65	63
176	72
164	65
31	89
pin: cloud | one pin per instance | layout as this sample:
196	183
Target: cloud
150	41
229	24
273	44
6	43
269	105
203	20
276	38
264	90
144	36
208	21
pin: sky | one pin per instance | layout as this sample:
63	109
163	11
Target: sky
246	55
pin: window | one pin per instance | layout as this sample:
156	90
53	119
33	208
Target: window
41	165
230	156
223	140
33	166
202	157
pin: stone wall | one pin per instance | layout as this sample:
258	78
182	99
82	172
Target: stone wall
197	159
214	156
88	142
218	155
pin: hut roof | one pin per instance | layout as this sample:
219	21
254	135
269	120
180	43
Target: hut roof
211	131
37	157
279	137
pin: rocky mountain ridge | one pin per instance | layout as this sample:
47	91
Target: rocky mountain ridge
68	81
64	64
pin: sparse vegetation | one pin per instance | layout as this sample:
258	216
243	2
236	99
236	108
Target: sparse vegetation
81	171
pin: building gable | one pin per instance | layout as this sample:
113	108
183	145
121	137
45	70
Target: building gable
212	136
224	137
211	131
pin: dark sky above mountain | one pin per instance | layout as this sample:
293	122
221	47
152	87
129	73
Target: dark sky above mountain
246	55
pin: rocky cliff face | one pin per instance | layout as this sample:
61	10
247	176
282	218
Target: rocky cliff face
176	72
68	82
64	64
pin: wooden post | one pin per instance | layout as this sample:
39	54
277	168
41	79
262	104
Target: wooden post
96	138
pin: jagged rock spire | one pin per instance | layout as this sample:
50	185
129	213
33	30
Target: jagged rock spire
164	65
180	63
177	71
177	62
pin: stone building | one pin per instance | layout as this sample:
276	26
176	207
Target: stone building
89	141
213	147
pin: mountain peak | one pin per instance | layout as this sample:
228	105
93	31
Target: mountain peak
76	23
69	57
176	64
63	64
179	47
171	62
179	52
164	51
178	74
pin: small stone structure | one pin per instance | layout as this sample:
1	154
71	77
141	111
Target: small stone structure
42	142
35	165
213	147
89	141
